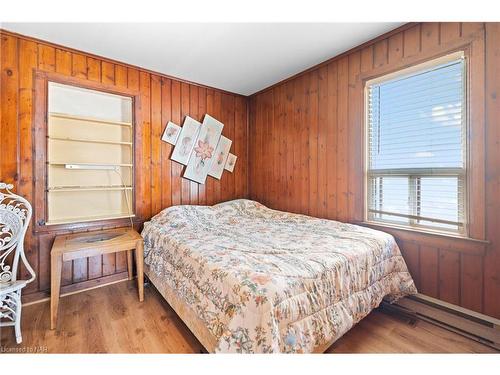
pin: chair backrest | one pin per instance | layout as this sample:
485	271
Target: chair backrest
15	216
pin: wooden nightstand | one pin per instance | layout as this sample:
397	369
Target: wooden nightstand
88	244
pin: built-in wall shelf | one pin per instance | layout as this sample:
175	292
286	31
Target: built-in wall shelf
88	188
88	218
90	141
89	155
63	164
89	119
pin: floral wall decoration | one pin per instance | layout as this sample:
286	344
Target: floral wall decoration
220	157
231	161
171	133
201	147
186	140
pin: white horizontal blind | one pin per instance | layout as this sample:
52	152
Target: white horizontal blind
416	148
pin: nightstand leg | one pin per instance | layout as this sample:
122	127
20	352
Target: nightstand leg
129	264
139	259
55	285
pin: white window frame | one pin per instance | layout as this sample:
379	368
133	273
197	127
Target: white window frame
413	175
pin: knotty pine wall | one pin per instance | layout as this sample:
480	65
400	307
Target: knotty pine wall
162	99
306	152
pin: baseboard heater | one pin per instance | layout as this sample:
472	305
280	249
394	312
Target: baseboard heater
476	326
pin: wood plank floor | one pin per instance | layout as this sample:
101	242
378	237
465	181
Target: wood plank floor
111	320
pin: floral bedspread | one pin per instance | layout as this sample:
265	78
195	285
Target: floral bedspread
267	281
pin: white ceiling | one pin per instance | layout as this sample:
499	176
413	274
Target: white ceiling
238	57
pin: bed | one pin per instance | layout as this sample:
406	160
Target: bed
248	279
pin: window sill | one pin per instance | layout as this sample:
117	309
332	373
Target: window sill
441	240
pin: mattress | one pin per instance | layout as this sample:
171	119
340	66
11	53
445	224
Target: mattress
266	281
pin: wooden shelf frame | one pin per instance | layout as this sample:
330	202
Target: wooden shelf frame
124	138
90	119
88	188
80	219
102	141
58	163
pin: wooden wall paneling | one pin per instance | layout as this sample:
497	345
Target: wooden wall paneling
295	141
193	111
156	188
449	276
471	282
492	259
255	148
395	48
108	73
411	41
121	75
143	160
468	273
64	64
9	60
210	183
44	247
218	115
429	271
380	53
290	146
449	31
28	60
225	118
411	255
227	179
313	130
429	35
323	148
469	29
332	136
26	63
239	150
261	144
156	144
275	147
46	58
355	136
94	70
176	167
166	148
281	164
304	148
185	183
79	66
342	140
202	110
132	79
264	144
264	155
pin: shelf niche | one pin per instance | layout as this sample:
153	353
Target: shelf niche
89	155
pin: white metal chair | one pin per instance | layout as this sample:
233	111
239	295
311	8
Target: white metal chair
15	216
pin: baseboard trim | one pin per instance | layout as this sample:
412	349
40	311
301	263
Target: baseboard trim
67	290
471	324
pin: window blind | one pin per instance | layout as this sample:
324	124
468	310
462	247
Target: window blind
416	173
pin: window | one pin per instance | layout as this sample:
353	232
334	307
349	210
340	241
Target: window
416	146
89	155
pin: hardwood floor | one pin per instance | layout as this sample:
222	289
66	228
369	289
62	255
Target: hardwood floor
111	320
